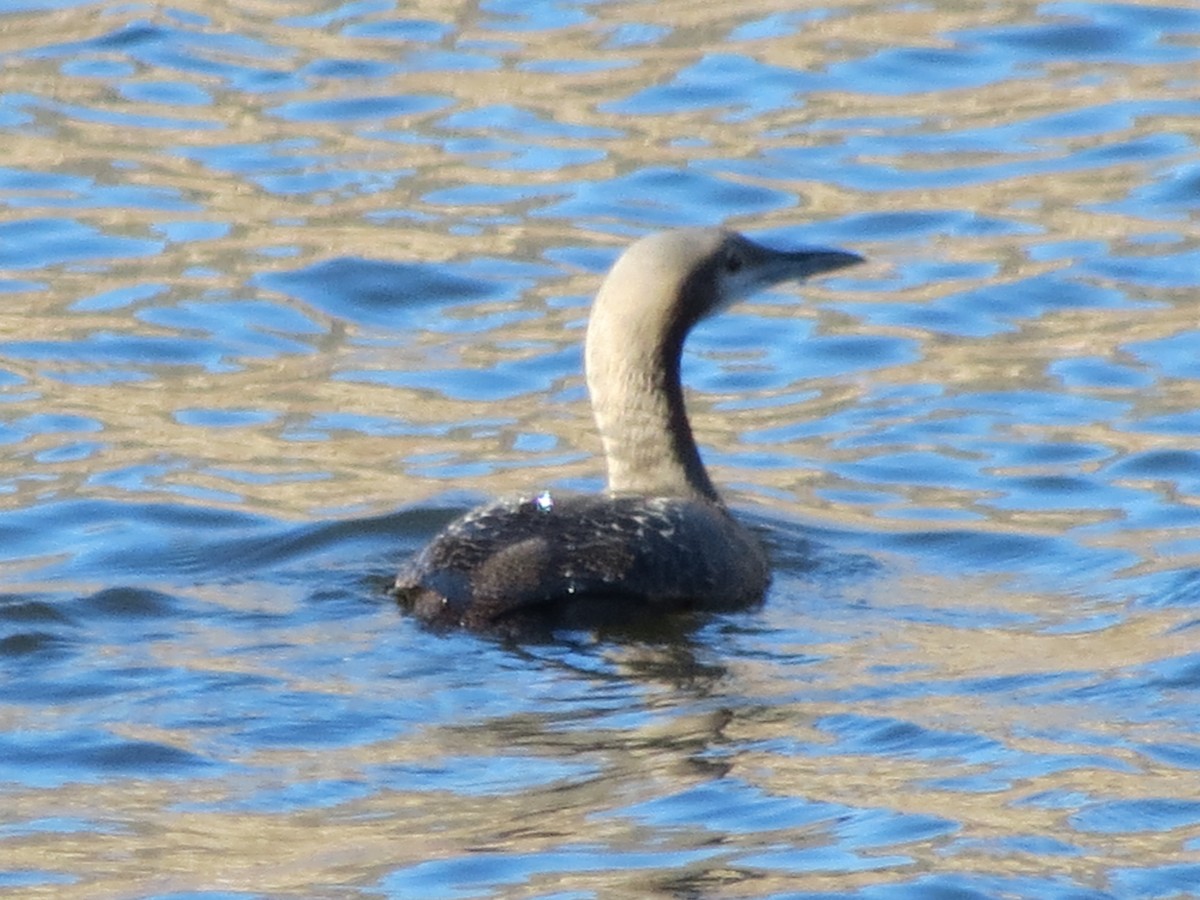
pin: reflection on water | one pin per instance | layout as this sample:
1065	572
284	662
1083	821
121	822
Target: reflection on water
285	290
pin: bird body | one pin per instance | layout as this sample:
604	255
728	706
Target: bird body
522	562
660	539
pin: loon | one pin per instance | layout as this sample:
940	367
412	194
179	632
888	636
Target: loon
660	539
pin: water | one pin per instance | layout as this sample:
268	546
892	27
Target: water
284	289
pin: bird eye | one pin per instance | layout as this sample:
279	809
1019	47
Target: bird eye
733	263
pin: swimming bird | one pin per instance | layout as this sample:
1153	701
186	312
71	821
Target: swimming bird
660	539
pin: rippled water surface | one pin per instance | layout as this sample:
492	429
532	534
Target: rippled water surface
283	287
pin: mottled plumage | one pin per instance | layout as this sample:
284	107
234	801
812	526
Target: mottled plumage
581	559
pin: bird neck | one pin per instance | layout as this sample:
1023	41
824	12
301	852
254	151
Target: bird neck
637	401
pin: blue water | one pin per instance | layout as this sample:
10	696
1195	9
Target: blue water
283	291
